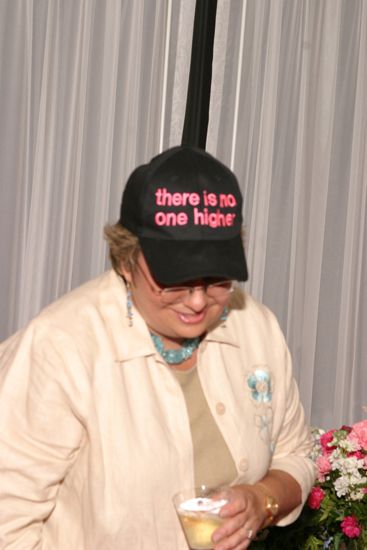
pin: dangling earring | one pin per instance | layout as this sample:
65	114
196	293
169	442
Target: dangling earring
129	305
224	315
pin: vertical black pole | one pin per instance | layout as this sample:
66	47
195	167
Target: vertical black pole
198	93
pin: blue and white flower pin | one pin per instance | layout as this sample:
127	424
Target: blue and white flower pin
259	382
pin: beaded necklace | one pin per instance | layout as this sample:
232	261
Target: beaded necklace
175	356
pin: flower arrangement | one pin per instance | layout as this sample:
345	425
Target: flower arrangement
335	515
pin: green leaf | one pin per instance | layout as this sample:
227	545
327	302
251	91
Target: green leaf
312	543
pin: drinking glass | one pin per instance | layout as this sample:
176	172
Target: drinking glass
198	511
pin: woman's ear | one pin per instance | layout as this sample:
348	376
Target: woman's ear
126	273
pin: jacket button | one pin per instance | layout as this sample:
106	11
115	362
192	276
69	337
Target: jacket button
220	408
243	465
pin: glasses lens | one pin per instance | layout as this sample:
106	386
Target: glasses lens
220	289
174	294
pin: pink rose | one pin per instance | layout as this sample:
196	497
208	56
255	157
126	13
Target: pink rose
315	498
323	465
325	439
359	434
350	527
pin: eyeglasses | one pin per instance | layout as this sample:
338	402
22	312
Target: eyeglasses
219	290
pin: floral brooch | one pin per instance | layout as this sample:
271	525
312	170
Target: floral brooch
259	382
260	385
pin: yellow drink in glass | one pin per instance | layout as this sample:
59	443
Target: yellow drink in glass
198	511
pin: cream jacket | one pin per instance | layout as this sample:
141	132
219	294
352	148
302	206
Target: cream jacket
94	433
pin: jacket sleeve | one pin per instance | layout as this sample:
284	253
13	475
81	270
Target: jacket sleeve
40	435
292	436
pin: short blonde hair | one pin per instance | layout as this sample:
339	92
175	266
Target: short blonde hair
123	246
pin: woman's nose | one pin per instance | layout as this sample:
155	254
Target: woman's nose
197	298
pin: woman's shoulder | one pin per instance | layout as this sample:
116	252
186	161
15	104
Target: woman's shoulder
94	294
77	311
251	315
247	307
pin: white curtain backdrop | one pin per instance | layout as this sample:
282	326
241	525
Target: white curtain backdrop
90	88
289	114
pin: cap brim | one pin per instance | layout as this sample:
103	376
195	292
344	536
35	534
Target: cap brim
174	261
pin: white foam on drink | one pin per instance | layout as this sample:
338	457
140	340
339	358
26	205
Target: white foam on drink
203	504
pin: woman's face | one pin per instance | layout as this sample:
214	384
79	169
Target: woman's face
191	317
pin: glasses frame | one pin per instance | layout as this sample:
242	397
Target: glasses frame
188	290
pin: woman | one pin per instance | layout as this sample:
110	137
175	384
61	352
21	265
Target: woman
156	376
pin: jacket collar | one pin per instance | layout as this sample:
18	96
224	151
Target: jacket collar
133	342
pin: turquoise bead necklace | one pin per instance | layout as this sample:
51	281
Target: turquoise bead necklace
176	356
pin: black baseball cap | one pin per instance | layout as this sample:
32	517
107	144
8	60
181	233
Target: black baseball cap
185	207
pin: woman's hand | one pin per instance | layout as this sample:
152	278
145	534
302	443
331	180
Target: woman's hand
244	516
